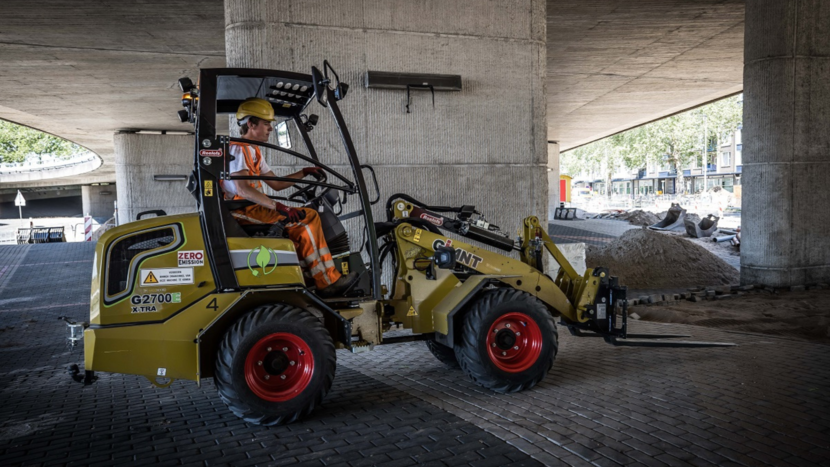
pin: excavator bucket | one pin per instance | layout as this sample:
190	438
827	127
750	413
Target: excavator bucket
704	229
673	220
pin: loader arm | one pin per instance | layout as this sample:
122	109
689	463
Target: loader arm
580	290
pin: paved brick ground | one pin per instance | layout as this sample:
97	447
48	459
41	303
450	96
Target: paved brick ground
765	402
48	419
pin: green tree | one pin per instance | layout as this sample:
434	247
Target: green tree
19	143
674	141
722	118
602	157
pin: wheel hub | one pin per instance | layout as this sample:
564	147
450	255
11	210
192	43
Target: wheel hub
505	339
275	363
279	367
514	342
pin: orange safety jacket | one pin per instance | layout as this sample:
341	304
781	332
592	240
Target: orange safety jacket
254	168
307	234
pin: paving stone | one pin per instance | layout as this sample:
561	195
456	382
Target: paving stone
398	405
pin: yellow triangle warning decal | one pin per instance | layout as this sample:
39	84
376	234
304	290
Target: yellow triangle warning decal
151	279
412	312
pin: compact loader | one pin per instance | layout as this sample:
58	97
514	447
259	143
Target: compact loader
196	296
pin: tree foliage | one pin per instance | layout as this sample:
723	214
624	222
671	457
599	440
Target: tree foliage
675	142
19	143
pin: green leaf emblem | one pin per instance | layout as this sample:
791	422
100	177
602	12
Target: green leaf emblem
262	259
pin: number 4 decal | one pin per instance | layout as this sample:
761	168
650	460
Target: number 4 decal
212	305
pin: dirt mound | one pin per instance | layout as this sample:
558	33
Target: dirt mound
639	217
804	315
644	259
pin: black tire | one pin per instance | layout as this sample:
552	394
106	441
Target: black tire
515	364
444	354
247	362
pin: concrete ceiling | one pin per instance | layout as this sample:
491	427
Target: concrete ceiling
616	64
85	70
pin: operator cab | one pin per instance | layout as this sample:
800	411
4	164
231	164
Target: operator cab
218	94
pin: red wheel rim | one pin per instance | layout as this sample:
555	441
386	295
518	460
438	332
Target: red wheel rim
514	342
279	367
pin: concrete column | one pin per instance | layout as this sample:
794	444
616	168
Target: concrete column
786	157
138	157
97	200
485	145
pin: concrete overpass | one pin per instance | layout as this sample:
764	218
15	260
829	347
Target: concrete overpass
562	71
86	70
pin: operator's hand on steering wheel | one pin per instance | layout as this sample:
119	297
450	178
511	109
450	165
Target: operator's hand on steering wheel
293	215
317	172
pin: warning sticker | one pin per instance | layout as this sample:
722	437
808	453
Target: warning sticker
166	276
411	311
191	258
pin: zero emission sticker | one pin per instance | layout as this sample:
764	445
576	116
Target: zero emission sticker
191	258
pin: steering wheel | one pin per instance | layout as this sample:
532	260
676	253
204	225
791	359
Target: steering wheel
309	193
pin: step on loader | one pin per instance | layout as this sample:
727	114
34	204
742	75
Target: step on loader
195	296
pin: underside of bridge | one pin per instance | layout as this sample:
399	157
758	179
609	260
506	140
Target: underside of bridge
538	77
86	70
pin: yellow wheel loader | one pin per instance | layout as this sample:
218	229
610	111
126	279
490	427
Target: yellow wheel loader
199	295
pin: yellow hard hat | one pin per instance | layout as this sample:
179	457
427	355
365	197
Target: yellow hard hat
255	107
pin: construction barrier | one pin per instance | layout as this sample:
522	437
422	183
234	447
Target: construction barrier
40	235
87	228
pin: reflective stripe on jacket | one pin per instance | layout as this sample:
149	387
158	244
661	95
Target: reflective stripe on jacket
254	168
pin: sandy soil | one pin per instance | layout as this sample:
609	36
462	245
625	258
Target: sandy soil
724	250
644	259
801	315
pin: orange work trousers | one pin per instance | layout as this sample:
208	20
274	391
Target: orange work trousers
307	236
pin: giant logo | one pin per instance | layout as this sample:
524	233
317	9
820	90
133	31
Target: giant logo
461	255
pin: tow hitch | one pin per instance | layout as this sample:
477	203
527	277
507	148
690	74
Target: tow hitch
76	335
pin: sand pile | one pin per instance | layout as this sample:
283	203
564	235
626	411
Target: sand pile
639	217
644	259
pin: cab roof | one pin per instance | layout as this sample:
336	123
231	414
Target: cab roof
289	93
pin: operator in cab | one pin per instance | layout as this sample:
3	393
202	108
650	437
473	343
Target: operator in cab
255	118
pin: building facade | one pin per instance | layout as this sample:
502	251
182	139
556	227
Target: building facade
723	169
